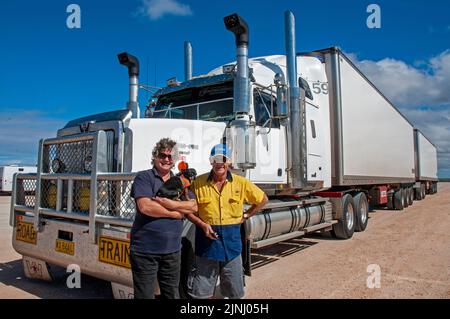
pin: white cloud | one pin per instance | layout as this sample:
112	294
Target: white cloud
156	9
20	132
408	86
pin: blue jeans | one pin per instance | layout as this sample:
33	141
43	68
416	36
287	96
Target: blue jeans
148	268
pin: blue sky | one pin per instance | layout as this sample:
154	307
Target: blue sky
51	74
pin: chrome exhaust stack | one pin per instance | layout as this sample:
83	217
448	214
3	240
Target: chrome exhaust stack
132	63
187	61
297	125
241	133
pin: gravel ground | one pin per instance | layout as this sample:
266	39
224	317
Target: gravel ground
411	249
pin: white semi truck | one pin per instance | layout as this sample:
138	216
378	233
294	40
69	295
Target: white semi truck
6	176
310	129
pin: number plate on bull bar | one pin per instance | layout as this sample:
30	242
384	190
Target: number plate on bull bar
114	251
25	232
65	247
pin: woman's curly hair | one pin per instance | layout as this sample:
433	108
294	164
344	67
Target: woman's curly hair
164	144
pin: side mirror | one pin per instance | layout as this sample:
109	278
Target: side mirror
303	84
281	95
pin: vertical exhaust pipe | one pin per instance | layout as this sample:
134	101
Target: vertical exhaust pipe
132	63
241	132
238	26
297	152
187	61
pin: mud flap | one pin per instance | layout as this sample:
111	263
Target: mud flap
36	269
121	291
246	253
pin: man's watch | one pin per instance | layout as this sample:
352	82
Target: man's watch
245	216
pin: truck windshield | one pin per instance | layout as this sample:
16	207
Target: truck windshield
210	103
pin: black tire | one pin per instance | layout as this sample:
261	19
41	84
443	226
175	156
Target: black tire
390	203
434	188
418	193
362	211
405	197
411	196
423	191
399	199
187	259
345	228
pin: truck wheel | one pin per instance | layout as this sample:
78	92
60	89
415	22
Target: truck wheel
345	228
390	203
362	211
187	259
405	197
418	193
410	196
423	191
398	199
434	188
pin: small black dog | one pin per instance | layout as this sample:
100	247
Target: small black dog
175	188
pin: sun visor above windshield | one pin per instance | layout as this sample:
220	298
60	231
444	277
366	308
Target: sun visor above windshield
197	82
120	115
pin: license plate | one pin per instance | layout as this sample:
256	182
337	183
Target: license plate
65	247
25	232
114	251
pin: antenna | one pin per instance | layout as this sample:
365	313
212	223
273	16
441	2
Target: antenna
146	96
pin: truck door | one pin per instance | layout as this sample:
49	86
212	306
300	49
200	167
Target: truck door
270	141
315	142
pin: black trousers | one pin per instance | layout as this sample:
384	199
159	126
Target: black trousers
147	269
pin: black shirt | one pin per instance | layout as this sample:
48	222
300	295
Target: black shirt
153	235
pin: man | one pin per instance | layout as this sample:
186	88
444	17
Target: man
220	197
155	248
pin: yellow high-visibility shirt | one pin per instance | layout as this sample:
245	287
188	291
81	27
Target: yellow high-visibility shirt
225	207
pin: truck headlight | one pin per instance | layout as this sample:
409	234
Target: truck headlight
57	166
88	164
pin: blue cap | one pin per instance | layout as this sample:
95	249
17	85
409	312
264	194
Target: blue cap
220	150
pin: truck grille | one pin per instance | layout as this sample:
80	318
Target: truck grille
25	192
72	155
114	199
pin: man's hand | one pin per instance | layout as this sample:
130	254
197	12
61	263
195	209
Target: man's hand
184	207
176	215
165	202
152	208
254	209
209	232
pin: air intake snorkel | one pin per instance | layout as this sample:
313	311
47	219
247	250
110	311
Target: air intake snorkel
240	134
187	61
132	63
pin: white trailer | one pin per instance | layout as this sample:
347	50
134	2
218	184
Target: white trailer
425	165
6	175
320	140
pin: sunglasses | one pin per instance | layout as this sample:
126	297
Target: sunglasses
163	156
219	160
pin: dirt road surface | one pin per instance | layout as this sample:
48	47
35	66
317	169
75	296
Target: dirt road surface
400	255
